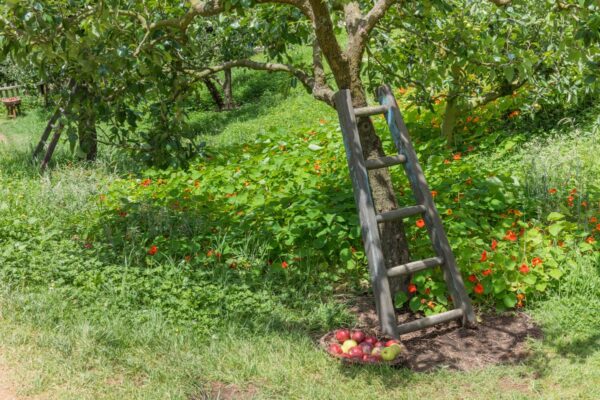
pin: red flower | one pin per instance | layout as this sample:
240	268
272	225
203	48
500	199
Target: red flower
510	235
487	272
446	162
483	256
456	156
146	182
598	227
573	191
472	278
420	223
153	250
590	240
494	244
524	269
552	191
412	288
593	220
478	288
434	193
536	261
284	265
428	291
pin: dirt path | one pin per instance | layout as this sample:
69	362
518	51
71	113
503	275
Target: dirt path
7	387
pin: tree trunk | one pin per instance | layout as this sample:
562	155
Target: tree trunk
86	126
214	93
228	90
450	117
393	236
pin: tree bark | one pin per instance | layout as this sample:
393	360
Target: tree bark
214	93
228	90
450	117
86	125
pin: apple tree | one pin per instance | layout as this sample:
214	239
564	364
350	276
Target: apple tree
473	53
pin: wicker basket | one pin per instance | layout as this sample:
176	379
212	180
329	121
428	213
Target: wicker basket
329	338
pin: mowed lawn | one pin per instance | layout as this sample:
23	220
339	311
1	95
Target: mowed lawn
54	347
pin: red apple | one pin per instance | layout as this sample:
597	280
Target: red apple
371	340
367	348
341	335
335	349
357	336
391	342
373	359
356	352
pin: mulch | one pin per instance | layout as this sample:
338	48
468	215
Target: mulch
497	339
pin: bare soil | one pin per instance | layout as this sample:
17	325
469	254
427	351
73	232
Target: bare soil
497	339
222	391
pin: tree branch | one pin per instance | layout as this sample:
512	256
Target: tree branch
501	3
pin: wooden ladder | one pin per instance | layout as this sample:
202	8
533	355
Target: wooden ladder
369	218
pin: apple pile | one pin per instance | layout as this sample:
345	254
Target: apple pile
357	346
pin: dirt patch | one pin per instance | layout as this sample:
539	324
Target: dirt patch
223	391
498	339
3	139
7	387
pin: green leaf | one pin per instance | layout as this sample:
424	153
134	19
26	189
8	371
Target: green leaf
554	216
555	229
400	299
510	300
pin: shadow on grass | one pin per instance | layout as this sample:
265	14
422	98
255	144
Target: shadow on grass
255	93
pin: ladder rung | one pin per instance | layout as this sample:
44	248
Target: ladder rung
430	321
400	213
368	111
387	161
415	266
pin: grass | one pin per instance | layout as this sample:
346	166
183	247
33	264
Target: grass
61	347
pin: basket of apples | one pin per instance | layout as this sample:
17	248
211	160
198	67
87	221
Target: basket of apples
356	347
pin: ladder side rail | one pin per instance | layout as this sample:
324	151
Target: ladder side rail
366	210
423	196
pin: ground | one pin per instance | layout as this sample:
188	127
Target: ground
51	348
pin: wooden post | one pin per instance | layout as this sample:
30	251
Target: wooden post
366	210
46	134
51	147
423	196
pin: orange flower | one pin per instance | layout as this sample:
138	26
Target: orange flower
434	193
487	272
472	278
494	244
449	211
520	297
590	240
573	191
598	227
456	156
146	182
402	90
431	305
511	236
469	181
584	204
209	253
284	265
153	250
420	223
536	261
478	288
469	119
446	162
524	269
412	288
514	114
552	191
593	220
475	120
483	256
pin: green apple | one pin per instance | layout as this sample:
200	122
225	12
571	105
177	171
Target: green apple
388	354
348	344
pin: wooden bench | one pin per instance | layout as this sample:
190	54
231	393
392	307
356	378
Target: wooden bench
9	96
